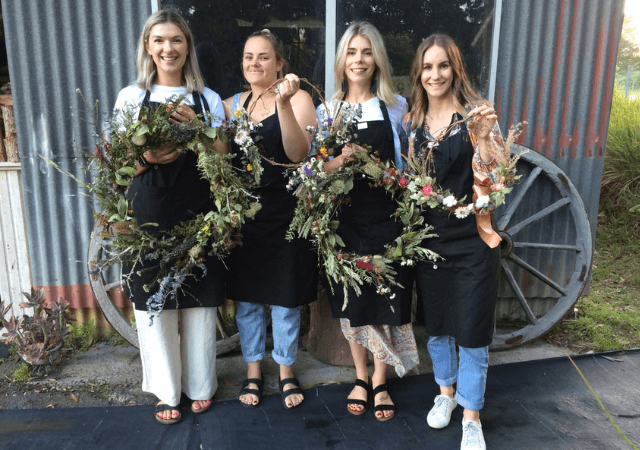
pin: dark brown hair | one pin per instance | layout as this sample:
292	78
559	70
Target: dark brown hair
277	48
463	93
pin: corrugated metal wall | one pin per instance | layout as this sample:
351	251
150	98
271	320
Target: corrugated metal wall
54	48
556	68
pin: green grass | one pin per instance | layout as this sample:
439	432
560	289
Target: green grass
609	317
23	373
83	335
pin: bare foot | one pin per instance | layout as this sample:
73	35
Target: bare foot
200	404
169	414
382	398
358	393
253	371
291	400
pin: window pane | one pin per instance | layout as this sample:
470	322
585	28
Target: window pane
220	28
405	23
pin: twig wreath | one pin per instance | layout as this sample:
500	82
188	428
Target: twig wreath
179	250
321	194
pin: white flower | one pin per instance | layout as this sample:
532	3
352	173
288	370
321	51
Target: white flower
449	201
461	213
242	138
483	202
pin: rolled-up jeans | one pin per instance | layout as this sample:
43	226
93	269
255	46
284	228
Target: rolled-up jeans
251	319
470	373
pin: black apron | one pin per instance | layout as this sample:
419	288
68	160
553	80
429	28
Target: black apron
169	194
266	268
365	227
458	298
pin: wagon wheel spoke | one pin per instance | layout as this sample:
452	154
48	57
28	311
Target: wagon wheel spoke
536	273
539	215
516	290
115	284
513	205
574	248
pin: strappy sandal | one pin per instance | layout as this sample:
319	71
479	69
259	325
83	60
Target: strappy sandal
288	392
382	408
357	401
257	392
202	408
164	407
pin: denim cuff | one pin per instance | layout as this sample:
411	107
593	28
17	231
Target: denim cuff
447	381
466	404
282	360
253	358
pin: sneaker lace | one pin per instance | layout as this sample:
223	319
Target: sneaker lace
471	433
441	406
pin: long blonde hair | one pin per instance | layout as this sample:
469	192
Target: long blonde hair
191	76
383	69
463	93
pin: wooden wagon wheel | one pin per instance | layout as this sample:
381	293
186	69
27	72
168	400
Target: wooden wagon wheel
546	251
105	283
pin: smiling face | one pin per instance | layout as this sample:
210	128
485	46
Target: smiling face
437	73
168	47
259	63
359	65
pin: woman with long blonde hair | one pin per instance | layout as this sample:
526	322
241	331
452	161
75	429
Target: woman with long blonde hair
380	323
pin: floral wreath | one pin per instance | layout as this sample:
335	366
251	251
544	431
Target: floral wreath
181	249
321	194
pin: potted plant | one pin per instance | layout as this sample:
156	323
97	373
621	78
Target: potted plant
39	337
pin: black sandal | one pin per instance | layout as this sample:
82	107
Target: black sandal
382	408
288	392
357	401
164	407
257	392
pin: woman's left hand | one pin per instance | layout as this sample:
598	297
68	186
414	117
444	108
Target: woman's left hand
483	119
288	88
183	113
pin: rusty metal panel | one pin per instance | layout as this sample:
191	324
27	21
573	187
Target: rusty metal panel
53	49
556	68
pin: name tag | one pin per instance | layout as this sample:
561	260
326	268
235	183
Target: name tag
362	125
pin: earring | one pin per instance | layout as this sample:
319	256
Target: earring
374	86
344	86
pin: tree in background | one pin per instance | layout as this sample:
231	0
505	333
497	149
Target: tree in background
628	53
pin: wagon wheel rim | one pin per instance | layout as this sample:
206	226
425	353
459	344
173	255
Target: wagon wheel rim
104	289
523	260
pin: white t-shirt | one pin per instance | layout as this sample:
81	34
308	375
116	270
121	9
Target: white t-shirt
131	97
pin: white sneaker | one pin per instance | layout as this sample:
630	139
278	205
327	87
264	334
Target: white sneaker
440	414
472	437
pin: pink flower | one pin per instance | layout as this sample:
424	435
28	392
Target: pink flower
427	189
403	183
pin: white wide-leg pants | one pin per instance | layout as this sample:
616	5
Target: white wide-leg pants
178	354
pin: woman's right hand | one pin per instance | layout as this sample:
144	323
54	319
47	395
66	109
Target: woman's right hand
166	154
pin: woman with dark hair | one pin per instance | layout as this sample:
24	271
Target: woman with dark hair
267	269
458	296
178	350
380	323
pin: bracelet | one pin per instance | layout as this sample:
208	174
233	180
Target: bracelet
142	161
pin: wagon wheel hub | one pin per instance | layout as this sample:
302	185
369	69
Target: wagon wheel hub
506	245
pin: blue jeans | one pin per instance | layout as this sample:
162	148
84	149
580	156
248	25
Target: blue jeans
251	319
470	374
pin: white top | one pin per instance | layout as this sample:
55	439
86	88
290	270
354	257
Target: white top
131	97
371	112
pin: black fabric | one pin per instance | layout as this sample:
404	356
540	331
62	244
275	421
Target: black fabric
458	298
535	405
267	268
365	227
168	194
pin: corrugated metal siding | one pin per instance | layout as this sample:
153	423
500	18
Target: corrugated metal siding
14	257
556	67
55	48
